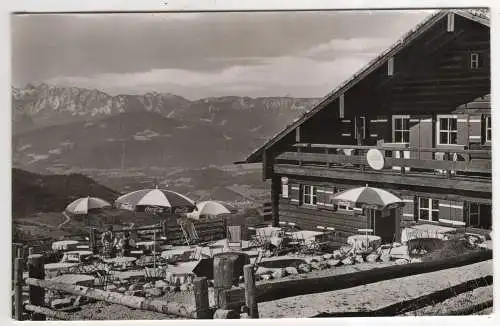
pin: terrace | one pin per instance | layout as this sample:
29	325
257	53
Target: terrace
394	163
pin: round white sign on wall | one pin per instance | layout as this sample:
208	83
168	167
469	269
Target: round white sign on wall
375	159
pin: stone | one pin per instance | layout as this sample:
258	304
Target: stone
348	261
359	259
133	287
278	273
154	292
110	287
333	262
327	256
266	277
304	268
337	254
61	303
371	258
161	284
135	293
291	270
385	257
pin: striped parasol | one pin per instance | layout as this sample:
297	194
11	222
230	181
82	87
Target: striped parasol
368	197
82	206
141	199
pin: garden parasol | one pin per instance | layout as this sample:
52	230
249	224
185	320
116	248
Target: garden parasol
211	208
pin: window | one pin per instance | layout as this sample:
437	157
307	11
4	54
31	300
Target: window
447	130
474	214
401	129
343	207
363	128
428	209
474	60
487	124
310	195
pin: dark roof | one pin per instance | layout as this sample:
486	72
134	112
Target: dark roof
481	16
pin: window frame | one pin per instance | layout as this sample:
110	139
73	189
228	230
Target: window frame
343	207
363	126
428	209
474	58
478	214
402	130
487	120
313	195
449	131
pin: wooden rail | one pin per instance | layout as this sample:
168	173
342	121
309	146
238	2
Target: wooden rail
37	285
469	161
287	288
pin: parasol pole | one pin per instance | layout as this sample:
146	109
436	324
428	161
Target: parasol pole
154	249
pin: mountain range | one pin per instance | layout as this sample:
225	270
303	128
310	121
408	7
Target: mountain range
69	127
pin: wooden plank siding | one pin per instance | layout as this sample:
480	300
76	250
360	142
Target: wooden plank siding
345	223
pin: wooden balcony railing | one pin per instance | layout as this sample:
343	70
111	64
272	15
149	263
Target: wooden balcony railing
451	160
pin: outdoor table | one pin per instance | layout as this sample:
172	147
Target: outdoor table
362	241
308	236
77	279
267	232
76	256
148	245
181	273
176	252
54	269
64	245
425	231
121	261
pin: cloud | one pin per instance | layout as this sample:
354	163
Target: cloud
277	76
194	54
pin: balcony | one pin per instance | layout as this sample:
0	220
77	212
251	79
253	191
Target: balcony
397	163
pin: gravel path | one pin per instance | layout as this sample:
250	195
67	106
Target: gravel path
471	298
372	296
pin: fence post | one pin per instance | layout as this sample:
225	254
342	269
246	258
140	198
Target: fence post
31	251
201	298
18	288
36	294
250	291
20	253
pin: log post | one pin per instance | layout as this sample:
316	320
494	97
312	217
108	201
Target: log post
250	291
224	264
18	288
36	294
275	197
201	298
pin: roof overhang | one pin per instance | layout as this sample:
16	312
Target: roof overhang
370	68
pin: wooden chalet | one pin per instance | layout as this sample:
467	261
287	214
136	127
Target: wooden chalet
424	105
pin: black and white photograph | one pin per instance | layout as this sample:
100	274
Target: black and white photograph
251	164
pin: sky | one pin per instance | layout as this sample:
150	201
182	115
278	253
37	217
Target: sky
197	55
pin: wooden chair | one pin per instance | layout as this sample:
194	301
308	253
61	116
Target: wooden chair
234	240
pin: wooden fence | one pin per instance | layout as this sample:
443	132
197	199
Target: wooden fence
37	284
238	297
